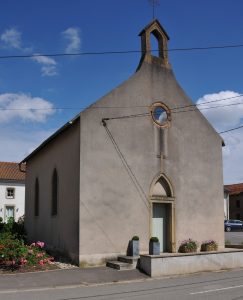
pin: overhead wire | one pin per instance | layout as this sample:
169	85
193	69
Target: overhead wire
173	110
119	52
231	129
125	107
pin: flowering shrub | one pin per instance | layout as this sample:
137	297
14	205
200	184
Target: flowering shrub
210	245
188	246
11	250
15	253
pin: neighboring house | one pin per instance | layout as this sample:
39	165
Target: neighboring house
226	203
130	164
235	200
12	191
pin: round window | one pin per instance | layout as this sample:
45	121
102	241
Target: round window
160	114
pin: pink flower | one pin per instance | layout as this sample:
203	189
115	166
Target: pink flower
32	245
41	254
40	244
41	262
23	261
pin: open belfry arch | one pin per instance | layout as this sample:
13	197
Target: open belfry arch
161	58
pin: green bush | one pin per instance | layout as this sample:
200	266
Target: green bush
11	249
135	238
154	239
188	246
15	229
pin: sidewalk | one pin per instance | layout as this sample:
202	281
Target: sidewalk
76	276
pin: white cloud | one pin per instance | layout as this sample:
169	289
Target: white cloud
12	38
48	65
16	144
24	107
233	157
224	118
72	35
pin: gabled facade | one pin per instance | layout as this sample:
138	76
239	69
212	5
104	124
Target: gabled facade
140	167
12	191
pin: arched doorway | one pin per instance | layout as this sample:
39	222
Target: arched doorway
162	213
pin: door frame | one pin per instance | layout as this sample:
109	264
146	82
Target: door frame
169	199
171	245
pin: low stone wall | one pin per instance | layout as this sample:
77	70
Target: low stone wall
177	264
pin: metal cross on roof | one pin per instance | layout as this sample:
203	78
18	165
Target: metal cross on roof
154	3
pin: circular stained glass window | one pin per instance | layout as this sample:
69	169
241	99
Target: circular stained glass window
160	114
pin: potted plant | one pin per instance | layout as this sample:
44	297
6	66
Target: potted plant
188	246
210	245
134	246
154	246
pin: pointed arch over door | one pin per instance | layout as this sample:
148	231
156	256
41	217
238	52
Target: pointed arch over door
162	213
161	187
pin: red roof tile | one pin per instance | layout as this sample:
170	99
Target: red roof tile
234	189
10	171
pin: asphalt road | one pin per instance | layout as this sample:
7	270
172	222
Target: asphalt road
227	285
234	237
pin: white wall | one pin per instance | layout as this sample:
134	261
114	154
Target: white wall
226	205
18	201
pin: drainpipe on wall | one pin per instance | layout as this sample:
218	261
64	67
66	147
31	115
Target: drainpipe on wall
20	167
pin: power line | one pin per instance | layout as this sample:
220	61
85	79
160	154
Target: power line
175	112
206	108
235	128
135	106
207	102
118	52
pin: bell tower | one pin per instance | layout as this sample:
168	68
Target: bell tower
155	29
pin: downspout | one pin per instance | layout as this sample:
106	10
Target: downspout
20	167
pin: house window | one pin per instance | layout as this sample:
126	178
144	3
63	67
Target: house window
238	203
54	193
36	207
10	193
9	213
238	216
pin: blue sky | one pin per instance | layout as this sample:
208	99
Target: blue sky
31	27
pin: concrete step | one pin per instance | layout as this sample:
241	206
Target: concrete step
128	259
119	265
133	260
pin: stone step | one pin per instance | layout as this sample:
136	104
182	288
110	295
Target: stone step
133	260
115	264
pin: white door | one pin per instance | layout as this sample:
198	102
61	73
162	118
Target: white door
159	224
9	212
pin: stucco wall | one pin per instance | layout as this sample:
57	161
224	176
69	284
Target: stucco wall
60	231
114	202
18	201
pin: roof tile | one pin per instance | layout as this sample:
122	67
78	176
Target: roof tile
234	189
10	171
